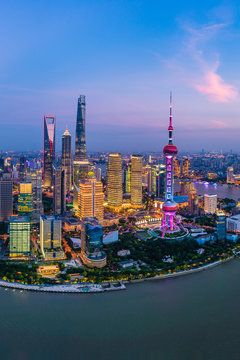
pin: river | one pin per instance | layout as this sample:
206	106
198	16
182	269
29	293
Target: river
222	191
191	317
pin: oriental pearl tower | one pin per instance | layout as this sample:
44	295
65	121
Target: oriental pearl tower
170	222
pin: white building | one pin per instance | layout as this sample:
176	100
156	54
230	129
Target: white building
233	223
111	237
210	203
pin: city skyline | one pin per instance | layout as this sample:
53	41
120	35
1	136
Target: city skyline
126	73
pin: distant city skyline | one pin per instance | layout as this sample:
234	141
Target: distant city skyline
125	57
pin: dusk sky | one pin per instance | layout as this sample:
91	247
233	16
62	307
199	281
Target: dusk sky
125	56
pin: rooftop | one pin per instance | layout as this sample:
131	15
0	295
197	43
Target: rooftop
19	219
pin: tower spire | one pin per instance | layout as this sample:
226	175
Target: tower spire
170	127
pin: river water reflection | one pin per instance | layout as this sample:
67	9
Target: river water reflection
190	317
222	191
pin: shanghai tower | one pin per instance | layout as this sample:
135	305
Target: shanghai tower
80	165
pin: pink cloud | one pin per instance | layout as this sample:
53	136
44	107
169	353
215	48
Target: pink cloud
220	124
216	88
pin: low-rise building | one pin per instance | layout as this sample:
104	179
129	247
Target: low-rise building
127	264
111	237
76	243
123	252
46	270
72	225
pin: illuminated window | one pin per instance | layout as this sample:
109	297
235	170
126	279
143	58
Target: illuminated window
169	168
169	175
169	182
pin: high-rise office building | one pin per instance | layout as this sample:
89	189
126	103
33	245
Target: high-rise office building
22	169
151	178
67	159
177	167
2	166
92	254
98	173
80	141
193	200
80	165
49	150
160	181
127	178
25	199
221	226
51	237
185	168
35	177
114	180
230	175
90	198
6	196
210	203
19	229
59	190
136	180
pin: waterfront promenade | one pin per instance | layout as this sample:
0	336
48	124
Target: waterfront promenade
98	288
71	288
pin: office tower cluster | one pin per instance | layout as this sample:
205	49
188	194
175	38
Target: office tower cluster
181	168
132	180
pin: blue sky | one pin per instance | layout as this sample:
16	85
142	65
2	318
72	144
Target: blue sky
125	56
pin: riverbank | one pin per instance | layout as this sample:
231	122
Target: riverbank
69	288
98	288
183	272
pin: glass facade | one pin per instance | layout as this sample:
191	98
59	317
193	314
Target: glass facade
92	242
25	199
136	180
67	159
19	236
51	237
80	146
114	180
49	150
